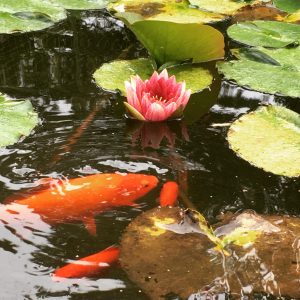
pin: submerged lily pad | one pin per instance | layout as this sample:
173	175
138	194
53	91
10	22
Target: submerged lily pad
165	10
28	15
172	255
165	260
265	77
111	76
268	138
227	7
81	4
17	120
289	6
265	33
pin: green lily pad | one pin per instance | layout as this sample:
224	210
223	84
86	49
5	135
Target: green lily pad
17	120
166	10
268	138
265	33
227	7
289	6
111	76
81	4
198	42
280	79
196	78
28	15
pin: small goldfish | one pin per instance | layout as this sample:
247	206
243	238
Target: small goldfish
169	194
83	198
88	266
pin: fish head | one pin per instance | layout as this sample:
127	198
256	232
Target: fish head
135	186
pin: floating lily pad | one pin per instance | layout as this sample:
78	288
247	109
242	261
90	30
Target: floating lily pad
265	33
198	42
28	15
261	76
17	120
268	138
289	6
165	10
173	257
196	78
111	76
227	7
81	4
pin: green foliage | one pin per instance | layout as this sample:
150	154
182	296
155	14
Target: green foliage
265	33
289	6
268	138
265	77
111	76
81	4
28	15
198	42
17	119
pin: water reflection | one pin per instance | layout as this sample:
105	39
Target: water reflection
151	135
83	131
59	62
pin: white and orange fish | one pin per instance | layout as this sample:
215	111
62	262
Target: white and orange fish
81	199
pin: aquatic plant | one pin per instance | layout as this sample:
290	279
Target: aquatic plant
157	99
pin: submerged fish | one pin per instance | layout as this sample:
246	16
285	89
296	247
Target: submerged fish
89	266
169	194
80	199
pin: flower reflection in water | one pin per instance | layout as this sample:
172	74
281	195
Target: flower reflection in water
152	135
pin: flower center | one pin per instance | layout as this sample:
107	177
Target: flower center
158	98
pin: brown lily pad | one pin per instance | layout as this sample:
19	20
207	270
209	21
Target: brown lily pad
173	256
164	262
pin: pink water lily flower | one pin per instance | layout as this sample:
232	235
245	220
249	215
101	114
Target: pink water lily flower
156	99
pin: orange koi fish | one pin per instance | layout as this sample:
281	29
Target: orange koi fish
89	266
169	193
81	199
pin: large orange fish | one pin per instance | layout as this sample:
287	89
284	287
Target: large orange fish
80	199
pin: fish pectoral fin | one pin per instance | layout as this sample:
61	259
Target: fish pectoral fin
90	225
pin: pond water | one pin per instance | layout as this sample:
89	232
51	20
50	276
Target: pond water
83	131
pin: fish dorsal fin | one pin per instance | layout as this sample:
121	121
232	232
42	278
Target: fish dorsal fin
90	225
38	187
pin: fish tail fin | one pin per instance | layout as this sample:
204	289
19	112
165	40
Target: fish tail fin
169	194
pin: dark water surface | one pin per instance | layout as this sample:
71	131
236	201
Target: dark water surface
82	131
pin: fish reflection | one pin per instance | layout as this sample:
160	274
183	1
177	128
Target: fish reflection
152	134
